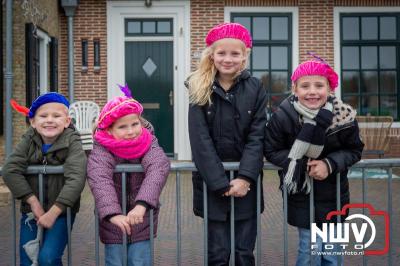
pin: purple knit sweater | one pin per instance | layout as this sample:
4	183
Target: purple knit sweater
107	190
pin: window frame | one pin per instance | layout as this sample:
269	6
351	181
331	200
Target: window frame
374	43
141	33
271	43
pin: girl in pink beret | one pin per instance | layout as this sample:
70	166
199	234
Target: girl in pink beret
313	136
122	136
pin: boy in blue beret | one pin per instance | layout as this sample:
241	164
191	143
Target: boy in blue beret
50	140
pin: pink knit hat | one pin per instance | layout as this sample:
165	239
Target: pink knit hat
118	107
229	30
318	68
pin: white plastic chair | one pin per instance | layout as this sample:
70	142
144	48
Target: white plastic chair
84	114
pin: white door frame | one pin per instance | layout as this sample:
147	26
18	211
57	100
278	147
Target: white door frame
179	11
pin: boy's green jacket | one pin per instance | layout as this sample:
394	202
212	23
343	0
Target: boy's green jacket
62	189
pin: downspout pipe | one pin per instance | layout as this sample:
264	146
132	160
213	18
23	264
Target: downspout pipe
8	78
69	8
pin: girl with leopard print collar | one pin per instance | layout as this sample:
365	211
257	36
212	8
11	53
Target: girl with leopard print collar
313	136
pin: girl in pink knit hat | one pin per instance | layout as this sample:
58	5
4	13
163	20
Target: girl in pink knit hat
226	124
122	136
313	136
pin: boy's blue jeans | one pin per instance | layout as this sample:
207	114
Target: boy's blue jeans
303	256
54	241
138	254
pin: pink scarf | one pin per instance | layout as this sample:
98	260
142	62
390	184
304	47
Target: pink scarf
126	149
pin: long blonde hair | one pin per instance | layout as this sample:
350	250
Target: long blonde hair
200	81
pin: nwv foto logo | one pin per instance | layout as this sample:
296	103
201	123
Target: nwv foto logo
334	233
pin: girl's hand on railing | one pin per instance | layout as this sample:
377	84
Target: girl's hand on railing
135	216
48	219
318	169
239	188
36	207
122	222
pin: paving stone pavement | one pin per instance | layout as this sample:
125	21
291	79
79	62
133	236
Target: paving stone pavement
83	243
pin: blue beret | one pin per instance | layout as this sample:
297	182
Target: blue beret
50	97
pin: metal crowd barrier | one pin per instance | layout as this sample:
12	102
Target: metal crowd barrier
178	167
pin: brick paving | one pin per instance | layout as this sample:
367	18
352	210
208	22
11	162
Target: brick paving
83	244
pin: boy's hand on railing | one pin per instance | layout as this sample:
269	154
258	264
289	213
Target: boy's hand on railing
135	216
122	222
48	219
318	169
36	207
239	188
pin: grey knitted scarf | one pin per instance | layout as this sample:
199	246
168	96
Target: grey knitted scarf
309	142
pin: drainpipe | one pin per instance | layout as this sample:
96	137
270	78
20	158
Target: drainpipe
69	8
8	81
8	78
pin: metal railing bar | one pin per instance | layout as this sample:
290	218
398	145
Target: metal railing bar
124	237
178	217
205	221
232	222
258	248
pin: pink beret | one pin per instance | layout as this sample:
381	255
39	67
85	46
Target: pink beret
116	108
229	30
312	67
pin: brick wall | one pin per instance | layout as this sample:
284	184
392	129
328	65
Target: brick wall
90	23
204	15
49	25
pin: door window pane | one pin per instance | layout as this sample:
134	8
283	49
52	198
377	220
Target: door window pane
369	105
279	57
260	57
149	27
369	28
388	82
163	26
387	57
245	21
369	57
279	28
279	81
350	57
389	106
351	81
134	27
388	28
369	81
350	28
261	28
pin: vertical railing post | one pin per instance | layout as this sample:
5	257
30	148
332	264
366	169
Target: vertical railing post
285	226
96	237
259	220
232	257
364	199
338	207
311	213
205	214
69	229
178	217
124	237
390	209
151	237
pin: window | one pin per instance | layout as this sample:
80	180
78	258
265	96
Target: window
84	47
96	54
270	58
37	58
369	62
148	27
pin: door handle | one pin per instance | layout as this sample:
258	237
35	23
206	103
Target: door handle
171	98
